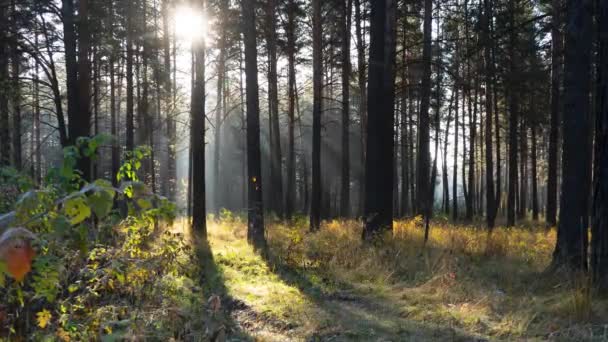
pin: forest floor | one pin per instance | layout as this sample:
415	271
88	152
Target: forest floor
329	286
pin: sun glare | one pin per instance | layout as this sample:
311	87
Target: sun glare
190	23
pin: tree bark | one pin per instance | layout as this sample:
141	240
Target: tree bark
380	140
571	246
130	124
599	233
513	118
556	79
5	157
346	69
489	78
317	60
255	231
290	31
361	70
534	174
197	132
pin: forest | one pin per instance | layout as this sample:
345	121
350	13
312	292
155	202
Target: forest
303	170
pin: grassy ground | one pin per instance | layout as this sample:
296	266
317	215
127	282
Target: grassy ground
462	286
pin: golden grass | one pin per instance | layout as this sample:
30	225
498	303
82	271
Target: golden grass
331	284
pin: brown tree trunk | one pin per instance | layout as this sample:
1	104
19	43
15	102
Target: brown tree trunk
290	30
346	69
317	60
361	70
571	246
380	126
513	118
255	231
599	242
197	132
556	79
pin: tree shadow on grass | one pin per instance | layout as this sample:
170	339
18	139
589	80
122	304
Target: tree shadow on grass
213	284
357	317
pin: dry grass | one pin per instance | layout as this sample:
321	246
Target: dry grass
463	284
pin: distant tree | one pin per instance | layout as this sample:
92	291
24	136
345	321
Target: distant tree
571	246
255	231
317	61
380	141
599	225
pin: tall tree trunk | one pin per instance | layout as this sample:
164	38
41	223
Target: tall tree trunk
470	194
556	79
599	242
219	109
513	117
71	66
361	70
276	169
197	132
405	158
380	140
534	174
130	124
255	231
81	126
445	181
16	92
170	182
455	168
489	80
113	110
523	177
571	246
291	156
423	185
317	60
5	147
346	69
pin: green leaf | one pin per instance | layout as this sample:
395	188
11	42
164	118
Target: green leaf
77	210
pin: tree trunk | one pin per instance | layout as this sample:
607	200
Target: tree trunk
489	78
470	193
130	119
170	181
291	157
16	92
345	185
219	110
276	169
556	79
255	231
197	132
405	158
361	70
423	183
534	175
5	147
513	118
380	140
571	246
81	120
317	60
455	168
599	242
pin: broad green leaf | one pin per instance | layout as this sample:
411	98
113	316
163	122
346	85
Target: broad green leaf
77	210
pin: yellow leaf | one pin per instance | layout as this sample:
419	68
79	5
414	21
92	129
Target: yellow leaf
43	317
